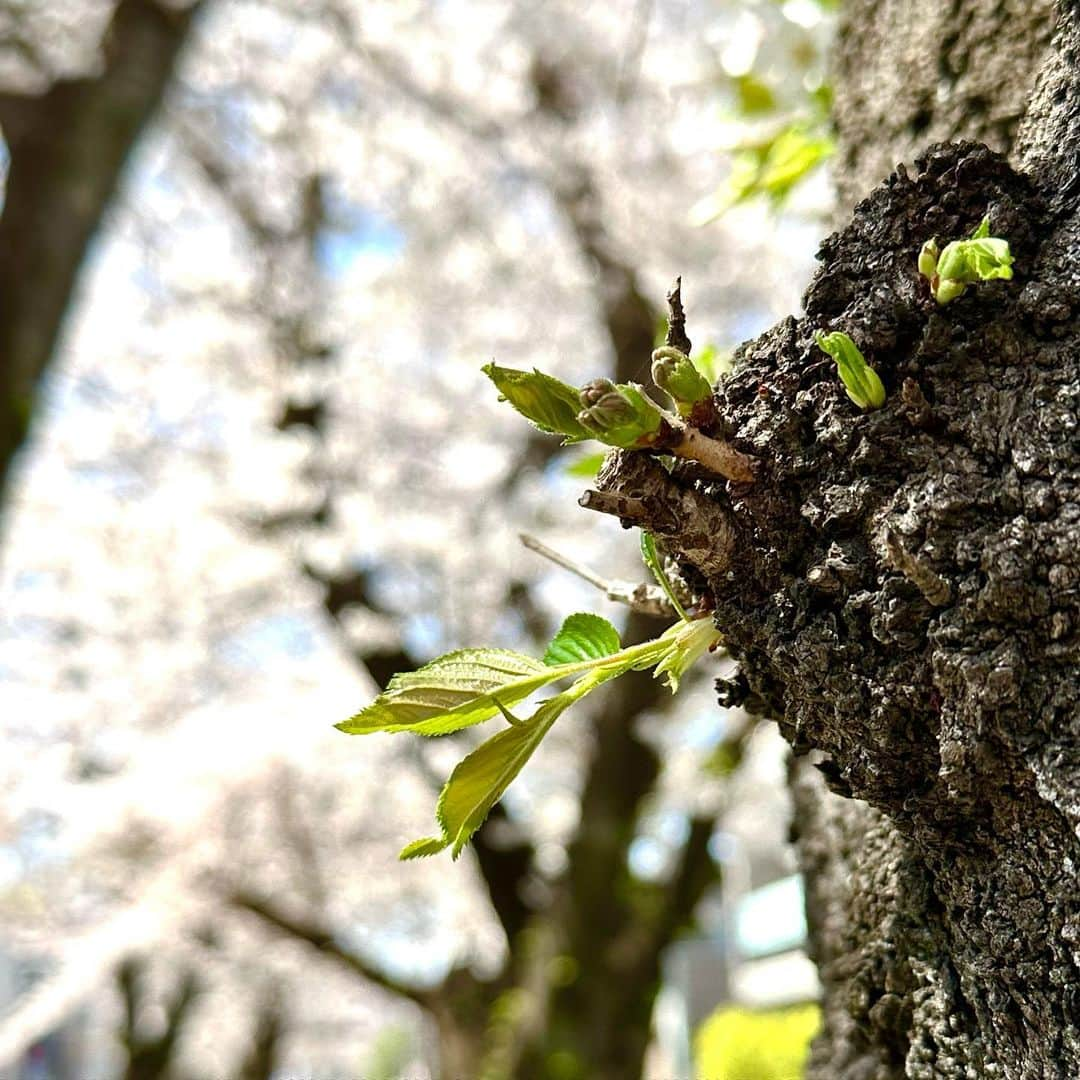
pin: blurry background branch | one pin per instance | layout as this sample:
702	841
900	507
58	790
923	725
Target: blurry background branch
321	937
270	472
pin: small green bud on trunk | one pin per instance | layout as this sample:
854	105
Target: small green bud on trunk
675	373
619	414
860	380
928	259
964	262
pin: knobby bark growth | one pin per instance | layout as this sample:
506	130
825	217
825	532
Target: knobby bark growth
902	589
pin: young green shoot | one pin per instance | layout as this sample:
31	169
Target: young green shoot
619	415
472	686
616	414
651	558
982	257
860	380
678	376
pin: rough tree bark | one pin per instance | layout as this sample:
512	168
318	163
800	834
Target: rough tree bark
902	588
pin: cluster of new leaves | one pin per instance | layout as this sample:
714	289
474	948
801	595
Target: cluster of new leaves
688	382
964	262
770	167
618	414
982	257
624	416
471	686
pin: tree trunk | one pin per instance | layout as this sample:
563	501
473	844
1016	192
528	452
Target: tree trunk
68	148
902	587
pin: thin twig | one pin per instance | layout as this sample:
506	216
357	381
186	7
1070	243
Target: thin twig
566	563
716	455
643	598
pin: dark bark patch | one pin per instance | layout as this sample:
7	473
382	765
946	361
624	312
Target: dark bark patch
902	589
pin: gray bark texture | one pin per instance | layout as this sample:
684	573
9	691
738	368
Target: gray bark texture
913	72
902	587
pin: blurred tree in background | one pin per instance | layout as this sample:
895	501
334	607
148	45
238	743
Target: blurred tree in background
263	463
265	459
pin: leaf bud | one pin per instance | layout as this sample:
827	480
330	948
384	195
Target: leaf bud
674	372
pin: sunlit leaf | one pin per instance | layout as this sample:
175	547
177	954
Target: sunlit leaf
550	404
795	153
768	169
582	637
589	646
452	692
480	779
420	849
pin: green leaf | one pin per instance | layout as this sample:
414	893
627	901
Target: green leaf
420	849
582	637
860	380
990	259
452	692
472	685
713	364
753	97
651	558
481	779
794	154
965	262
461	687
585	468
768	169
969	261
551	405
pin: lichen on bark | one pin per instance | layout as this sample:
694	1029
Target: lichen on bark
902	590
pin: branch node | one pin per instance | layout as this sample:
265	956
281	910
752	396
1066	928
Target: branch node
620	506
